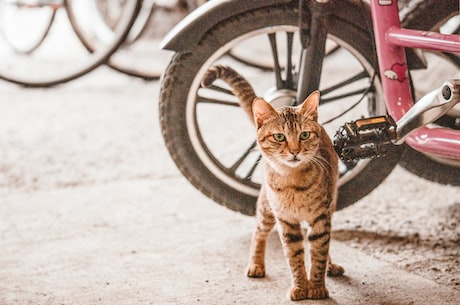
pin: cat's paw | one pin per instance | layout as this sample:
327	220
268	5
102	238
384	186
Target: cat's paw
256	270
316	293
335	270
298	293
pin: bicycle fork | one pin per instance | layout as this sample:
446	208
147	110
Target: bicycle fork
313	29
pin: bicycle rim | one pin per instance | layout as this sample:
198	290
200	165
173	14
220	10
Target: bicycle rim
62	57
244	173
32	22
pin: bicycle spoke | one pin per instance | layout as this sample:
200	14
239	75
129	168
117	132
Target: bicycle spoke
253	168
346	110
288	81
341	96
276	62
216	102
363	92
332	50
240	160
222	100
289	77
354	78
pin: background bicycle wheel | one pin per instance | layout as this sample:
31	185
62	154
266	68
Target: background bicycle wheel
139	54
61	56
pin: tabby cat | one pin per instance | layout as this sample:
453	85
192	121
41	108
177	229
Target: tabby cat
300	184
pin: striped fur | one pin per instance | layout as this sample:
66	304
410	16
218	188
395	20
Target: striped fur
240	86
300	185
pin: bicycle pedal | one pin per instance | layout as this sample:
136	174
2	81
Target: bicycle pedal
365	138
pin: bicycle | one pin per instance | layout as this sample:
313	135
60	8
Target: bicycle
132	58
62	57
207	134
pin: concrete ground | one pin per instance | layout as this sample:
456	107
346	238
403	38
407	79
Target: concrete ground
93	211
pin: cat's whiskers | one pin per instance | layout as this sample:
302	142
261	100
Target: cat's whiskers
319	161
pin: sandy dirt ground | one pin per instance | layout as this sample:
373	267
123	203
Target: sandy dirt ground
92	211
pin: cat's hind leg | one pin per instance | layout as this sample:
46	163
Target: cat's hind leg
265	223
334	269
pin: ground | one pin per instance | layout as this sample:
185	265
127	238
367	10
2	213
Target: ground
93	211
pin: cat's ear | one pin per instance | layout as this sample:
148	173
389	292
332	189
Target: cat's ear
310	105
261	111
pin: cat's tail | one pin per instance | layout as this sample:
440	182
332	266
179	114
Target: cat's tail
240	86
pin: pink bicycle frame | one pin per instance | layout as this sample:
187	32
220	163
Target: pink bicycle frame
390	42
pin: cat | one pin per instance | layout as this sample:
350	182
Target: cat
300	184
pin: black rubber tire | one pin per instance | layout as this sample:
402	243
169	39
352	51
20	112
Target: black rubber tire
183	69
425	15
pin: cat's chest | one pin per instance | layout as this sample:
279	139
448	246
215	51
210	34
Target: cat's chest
298	199
296	193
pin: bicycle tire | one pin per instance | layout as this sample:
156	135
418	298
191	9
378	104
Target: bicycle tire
67	73
137	29
177	94
426	15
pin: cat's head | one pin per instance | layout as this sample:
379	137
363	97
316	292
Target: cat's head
289	136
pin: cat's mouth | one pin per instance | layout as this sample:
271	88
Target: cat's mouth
293	160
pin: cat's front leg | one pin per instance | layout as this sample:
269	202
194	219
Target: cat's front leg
319	239
256	266
292	239
265	223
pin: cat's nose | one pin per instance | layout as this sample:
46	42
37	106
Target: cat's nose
294	149
294	152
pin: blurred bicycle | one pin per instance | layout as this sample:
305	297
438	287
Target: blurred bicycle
39	47
138	56
48	42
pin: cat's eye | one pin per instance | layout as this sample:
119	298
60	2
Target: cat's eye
279	137
304	135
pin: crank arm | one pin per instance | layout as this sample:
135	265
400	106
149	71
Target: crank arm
428	109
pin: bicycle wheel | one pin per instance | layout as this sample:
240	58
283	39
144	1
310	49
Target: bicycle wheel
241	54
210	138
139	56
429	15
32	31
62	57
134	57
